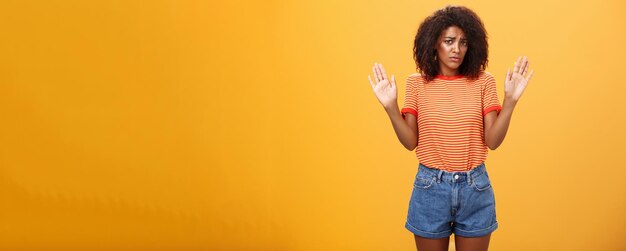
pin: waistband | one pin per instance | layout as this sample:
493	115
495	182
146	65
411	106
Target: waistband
452	177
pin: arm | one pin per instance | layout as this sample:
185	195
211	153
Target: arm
496	125
385	90
405	128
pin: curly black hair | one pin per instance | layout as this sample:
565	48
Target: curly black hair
424	49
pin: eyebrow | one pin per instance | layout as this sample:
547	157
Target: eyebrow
455	37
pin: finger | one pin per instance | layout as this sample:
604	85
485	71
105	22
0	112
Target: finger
379	72
530	75
393	81
371	83
524	66
383	72
517	65
508	74
375	74
378	78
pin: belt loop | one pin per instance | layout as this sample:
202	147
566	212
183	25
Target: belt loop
439	176
469	177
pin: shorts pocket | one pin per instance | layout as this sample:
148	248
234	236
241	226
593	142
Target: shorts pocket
423	183
481	182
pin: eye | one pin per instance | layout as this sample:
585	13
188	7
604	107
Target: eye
464	42
448	41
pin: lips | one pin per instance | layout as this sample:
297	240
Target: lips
455	59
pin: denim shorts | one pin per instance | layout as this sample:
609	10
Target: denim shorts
444	202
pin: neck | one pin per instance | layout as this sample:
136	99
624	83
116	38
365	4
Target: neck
448	73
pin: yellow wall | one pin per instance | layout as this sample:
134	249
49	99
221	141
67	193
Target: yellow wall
250	125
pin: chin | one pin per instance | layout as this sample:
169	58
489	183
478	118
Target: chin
453	67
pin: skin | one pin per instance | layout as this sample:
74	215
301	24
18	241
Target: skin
451	44
460	243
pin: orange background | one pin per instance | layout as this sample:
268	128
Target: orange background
250	125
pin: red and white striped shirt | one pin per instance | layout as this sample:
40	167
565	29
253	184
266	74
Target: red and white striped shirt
450	112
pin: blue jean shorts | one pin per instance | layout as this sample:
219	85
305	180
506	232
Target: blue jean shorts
444	202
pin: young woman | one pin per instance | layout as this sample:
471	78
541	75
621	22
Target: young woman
451	117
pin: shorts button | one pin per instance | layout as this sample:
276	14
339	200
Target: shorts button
456	176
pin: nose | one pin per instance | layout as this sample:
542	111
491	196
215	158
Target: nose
455	47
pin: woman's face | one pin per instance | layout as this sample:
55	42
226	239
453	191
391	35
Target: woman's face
451	49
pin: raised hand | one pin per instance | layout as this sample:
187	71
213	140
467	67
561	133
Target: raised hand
516	81
384	89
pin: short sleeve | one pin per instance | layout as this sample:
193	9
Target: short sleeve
410	97
489	95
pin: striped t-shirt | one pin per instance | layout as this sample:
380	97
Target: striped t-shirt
450	112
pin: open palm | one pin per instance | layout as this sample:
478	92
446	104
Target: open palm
384	88
516	81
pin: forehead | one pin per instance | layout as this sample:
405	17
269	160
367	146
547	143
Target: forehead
452	31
